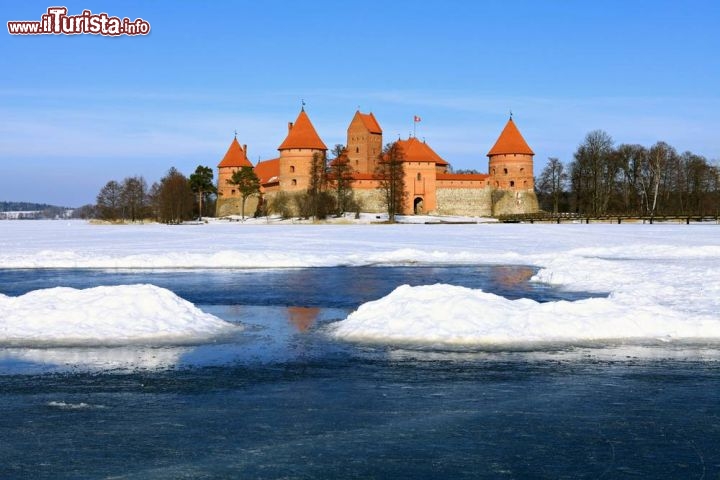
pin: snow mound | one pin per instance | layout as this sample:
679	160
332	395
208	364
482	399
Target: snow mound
449	314
118	315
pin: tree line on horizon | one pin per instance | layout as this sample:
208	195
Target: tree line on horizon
175	198
629	179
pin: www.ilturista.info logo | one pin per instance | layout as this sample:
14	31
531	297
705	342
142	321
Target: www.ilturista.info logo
57	22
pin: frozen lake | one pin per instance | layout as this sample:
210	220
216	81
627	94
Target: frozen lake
283	400
287	397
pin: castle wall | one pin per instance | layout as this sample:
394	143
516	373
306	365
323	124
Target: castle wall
506	202
229	201
371	200
470	200
232	205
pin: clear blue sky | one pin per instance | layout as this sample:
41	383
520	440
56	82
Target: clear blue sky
80	110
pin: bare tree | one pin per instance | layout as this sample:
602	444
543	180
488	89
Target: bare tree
593	173
341	178
631	183
659	157
134	198
552	182
174	197
390	173
109	201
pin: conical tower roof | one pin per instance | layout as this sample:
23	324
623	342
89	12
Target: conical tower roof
302	134
510	141
236	156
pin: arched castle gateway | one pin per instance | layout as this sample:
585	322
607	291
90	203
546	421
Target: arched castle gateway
507	188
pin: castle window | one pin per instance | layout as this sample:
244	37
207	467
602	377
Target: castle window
493	170
357	149
232	192
512	183
292	168
505	171
419	177
522	169
294	182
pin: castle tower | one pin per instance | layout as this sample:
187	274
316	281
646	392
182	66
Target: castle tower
364	142
228	197
420	165
296	153
510	165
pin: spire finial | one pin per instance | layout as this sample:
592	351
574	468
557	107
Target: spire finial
302	108
511	114
235	134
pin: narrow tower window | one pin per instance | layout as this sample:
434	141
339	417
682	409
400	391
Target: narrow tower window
292	168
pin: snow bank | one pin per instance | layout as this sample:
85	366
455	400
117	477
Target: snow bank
456	315
119	315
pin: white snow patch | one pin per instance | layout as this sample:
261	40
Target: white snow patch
118	315
456	315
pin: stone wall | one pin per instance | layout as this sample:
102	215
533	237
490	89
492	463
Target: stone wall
508	203
370	200
475	202
233	206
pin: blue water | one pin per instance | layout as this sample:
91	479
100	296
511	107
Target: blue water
284	401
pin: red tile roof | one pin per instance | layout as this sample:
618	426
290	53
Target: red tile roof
302	135
370	122
235	157
268	171
510	141
416	151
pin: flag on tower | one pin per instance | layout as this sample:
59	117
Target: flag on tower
416	119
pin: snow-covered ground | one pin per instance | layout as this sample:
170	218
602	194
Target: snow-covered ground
662	280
